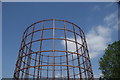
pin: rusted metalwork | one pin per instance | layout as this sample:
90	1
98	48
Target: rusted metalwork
53	48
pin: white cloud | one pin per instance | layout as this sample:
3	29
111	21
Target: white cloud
110	5
96	7
101	75
71	45
57	75
97	37
116	27
111	19
98	75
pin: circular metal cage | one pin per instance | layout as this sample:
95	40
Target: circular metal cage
53	48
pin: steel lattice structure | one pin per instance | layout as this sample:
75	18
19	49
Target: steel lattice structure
53	48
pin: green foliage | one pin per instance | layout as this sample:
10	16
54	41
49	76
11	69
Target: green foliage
110	62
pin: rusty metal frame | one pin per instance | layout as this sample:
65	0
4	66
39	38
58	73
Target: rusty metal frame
83	69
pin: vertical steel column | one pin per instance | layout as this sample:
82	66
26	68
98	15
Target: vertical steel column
89	63
24	40
77	52
53	59
68	74
29	55
19	59
47	67
83	53
39	54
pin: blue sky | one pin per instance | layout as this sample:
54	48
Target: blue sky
98	21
